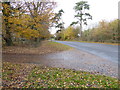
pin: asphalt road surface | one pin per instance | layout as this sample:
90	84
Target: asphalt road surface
105	51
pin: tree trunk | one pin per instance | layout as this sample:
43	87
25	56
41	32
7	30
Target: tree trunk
8	42
7	37
81	24
80	32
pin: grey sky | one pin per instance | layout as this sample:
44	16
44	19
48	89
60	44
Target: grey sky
99	9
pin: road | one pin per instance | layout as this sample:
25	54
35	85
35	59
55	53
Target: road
91	57
105	51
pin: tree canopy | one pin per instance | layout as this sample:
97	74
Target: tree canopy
81	14
29	20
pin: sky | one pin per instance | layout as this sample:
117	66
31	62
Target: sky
99	9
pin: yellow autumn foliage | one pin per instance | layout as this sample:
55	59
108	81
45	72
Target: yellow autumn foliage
30	24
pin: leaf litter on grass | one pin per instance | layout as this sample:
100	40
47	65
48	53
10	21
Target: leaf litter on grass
17	75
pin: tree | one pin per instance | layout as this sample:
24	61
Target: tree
82	15
58	22
69	33
28	20
6	14
104	32
42	16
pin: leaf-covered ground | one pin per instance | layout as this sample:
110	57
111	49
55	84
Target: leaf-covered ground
33	76
21	75
13	74
44	48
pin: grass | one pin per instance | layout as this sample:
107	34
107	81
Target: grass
8	69
96	42
44	48
100	42
14	74
59	46
48	77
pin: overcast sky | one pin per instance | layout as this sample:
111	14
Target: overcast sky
99	9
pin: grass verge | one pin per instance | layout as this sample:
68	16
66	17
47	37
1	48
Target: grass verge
44	48
96	42
15	76
59	46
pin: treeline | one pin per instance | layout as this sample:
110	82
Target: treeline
103	32
69	33
26	22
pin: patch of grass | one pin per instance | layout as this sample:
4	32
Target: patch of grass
9	69
44	48
96	42
14	74
100	43
48	77
59	46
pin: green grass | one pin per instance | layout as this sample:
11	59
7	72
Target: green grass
100	42
65	78
9	69
59	46
48	77
96	42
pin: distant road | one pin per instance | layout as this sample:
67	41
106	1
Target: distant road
109	52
